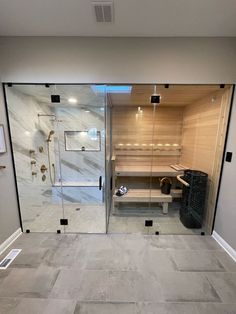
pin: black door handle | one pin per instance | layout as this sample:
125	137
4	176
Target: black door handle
100	183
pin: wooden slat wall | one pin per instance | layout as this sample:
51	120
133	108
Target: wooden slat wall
126	128
204	129
200	126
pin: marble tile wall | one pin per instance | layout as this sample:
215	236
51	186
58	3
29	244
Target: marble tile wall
29	132
72	168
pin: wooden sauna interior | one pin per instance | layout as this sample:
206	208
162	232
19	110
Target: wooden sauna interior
187	128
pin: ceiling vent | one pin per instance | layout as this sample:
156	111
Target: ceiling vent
103	11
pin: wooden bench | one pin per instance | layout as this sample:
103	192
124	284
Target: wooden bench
144	196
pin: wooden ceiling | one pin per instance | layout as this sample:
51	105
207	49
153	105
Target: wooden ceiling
175	95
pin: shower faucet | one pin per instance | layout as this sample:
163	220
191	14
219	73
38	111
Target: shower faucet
43	168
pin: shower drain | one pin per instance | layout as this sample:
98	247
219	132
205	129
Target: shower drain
77	208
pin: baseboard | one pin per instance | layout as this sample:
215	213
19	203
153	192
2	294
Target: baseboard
228	249
10	240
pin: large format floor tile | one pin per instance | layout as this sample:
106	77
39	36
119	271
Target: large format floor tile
105	308
130	274
225	285
166	308
187	287
29	282
36	306
197	261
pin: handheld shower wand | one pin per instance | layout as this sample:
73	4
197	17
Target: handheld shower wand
49	159
50	135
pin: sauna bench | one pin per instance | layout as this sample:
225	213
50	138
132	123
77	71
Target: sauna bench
144	196
145	171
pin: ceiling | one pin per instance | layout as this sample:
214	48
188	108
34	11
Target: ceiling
139	18
175	95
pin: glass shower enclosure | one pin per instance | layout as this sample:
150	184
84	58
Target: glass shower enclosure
59	146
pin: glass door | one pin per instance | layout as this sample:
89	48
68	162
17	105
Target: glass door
34	142
81	135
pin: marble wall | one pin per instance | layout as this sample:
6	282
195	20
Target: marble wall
80	171
28	133
76	172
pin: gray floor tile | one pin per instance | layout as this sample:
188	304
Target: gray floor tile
201	243
63	257
29	240
9	305
105	308
216	308
155	261
81	285
59	240
225	260
133	286
187	287
46	306
4	273
167	242
225	285
29	258
29	282
188	260
130	274
166	308
110	259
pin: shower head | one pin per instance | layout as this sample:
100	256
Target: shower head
49	135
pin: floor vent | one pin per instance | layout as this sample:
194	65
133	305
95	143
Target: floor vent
103	11
9	258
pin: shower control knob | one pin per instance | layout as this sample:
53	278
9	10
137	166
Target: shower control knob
43	168
34	173
33	162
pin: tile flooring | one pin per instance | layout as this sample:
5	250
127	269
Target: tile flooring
131	220
118	274
82	218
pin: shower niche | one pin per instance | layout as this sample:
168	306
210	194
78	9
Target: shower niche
83	140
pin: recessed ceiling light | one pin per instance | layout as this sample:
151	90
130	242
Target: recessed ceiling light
87	111
72	100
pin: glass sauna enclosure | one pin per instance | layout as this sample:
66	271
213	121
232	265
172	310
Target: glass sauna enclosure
74	146
59	141
154	144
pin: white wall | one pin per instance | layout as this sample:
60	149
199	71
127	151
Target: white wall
226	212
9	217
120	60
116	60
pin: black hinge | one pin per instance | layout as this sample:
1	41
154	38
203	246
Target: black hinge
64	222
148	223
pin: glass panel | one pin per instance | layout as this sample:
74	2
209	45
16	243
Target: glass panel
109	175
167	139
82	170
32	119
132	128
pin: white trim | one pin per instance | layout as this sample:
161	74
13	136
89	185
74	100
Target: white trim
10	240
228	249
